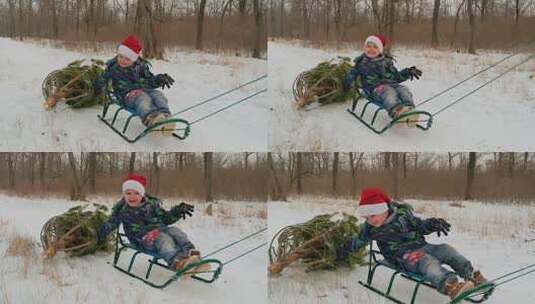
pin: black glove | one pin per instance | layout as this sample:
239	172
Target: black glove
164	80
345	250
182	210
438	225
97	89
413	72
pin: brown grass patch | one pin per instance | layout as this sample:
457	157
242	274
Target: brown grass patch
24	248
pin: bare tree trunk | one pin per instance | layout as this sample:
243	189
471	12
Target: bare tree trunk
259	26
276	189
470	174
511	164
404	163
471	45
355	163
299	172
156	169
221	21
11	4
11	165
434	34
208	168
306	20
395	175
282	19
92	170
335	173
200	25
132	163
457	14
144	27
42	166
78	183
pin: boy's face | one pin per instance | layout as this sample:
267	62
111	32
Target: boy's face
371	50
123	61
377	220
132	198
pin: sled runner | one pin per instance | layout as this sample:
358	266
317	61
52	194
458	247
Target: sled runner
477	294
122	243
178	132
368	107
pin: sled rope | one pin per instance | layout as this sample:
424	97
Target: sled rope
228	106
483	85
219	95
245	253
470	77
235	242
464	80
516	276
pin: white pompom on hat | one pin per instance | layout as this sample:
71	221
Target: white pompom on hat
373	201
130	48
378	40
135	182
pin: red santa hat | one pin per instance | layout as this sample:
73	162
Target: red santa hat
378	40
135	182
373	201
130	48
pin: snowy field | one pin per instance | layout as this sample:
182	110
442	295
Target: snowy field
494	239
498	117
92	279
26	126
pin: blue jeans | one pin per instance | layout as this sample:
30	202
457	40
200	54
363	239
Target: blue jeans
145	102
430	265
392	95
171	244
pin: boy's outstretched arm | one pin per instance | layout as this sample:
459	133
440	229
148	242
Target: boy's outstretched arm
351	76
156	81
110	225
177	212
429	225
101	81
353	245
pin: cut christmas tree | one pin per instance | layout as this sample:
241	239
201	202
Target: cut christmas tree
314	243
73	85
323	83
75	232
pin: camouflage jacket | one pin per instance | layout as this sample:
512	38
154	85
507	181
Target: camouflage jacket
124	80
374	72
402	232
137	221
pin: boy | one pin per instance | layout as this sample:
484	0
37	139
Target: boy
145	223
400	238
135	86
381	80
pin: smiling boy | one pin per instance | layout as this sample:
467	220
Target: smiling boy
400	236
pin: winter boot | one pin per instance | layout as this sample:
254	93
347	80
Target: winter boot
478	278
453	288
201	268
166	129
185	261
411	120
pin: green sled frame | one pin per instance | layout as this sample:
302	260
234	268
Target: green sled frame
477	294
423	125
180	133
122	244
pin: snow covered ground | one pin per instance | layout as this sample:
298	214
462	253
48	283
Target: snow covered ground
493	238
498	117
26	126
92	279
